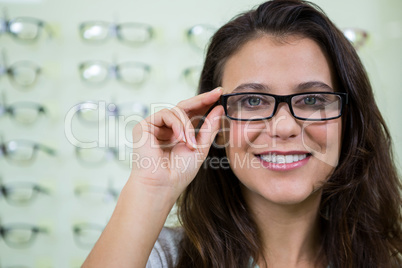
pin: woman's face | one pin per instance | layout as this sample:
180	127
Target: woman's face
306	152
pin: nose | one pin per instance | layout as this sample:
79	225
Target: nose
283	125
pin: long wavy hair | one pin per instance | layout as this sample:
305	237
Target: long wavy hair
361	202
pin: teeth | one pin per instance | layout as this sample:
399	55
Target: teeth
283	159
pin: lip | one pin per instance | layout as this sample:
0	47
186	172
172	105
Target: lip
284	166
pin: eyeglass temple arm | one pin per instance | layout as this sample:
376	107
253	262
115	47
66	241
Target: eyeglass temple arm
46	149
219	102
5	14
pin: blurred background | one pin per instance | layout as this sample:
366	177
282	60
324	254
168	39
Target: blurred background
69	69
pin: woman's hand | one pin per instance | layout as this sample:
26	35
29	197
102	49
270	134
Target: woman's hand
167	153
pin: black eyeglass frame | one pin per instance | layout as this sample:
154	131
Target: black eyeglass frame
78	228
287	99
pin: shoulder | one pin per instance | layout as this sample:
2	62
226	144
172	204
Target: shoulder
166	249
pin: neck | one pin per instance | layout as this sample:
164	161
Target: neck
290	233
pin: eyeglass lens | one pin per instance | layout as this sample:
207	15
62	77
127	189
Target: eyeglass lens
19	236
93	194
86	234
192	75
97	156
25	29
23	73
94	31
134	33
93	156
21	193
23	112
199	35
20	152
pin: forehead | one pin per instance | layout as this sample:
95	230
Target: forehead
279	65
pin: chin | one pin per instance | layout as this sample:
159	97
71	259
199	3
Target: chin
290	198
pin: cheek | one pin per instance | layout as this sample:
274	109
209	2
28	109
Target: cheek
243	134
323	140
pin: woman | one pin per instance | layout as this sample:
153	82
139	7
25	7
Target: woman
298	167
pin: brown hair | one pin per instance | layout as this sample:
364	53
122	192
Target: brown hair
361	203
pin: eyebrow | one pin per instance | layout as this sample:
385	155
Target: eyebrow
299	88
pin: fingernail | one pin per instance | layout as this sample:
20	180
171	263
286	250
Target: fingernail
184	137
217	89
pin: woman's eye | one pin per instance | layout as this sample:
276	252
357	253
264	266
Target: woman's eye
253	101
310	100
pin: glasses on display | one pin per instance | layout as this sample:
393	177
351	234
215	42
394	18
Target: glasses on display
20	235
23	74
21	193
309	106
100	155
130	33
24	29
357	37
93	113
129	73
86	234
192	75
200	35
95	194
26	113
23	152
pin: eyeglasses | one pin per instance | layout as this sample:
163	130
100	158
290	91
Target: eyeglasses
96	194
131	33
199	35
21	193
23	74
192	75
23	152
98	156
98	72
309	106
20	235
24	29
86	234
93	113
25	113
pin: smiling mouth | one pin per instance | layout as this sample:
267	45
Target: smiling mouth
282	159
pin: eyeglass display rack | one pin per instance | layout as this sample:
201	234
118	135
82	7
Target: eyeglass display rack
55	224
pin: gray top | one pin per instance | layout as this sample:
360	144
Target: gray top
165	251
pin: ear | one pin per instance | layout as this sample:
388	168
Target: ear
222	136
